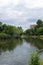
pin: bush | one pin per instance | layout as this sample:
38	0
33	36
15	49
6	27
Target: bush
34	60
4	36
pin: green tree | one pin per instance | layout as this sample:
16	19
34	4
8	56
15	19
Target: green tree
0	26
40	31
0	23
39	23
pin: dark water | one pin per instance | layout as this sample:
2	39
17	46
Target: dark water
17	52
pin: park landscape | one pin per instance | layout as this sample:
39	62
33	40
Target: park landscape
21	32
12	36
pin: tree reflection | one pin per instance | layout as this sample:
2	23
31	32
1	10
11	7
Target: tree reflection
35	42
9	44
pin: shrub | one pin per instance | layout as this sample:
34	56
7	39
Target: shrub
34	60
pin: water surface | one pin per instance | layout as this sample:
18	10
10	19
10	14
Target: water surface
17	51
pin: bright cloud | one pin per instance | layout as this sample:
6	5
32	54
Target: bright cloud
21	12
34	3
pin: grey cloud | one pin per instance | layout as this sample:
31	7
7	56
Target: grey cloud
20	15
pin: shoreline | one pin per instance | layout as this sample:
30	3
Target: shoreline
34	37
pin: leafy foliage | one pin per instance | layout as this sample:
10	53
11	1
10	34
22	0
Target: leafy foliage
34	59
37	30
8	30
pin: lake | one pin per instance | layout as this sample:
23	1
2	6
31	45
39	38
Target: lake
17	51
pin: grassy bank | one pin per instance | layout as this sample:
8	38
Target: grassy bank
40	37
41	62
35	59
33	36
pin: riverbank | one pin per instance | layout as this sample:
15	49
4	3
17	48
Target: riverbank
39	37
41	62
33	36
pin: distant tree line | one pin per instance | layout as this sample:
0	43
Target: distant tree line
9	31
37	30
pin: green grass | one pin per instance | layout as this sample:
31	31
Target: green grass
41	62
41	37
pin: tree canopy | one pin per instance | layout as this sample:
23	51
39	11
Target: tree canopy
37	30
9	30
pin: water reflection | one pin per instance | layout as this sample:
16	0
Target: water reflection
9	44
17	51
38	43
12	44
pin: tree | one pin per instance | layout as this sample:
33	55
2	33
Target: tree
20	30
40	31
39	23
28	32
0	23
0	26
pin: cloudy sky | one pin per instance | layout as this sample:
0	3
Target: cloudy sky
21	12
